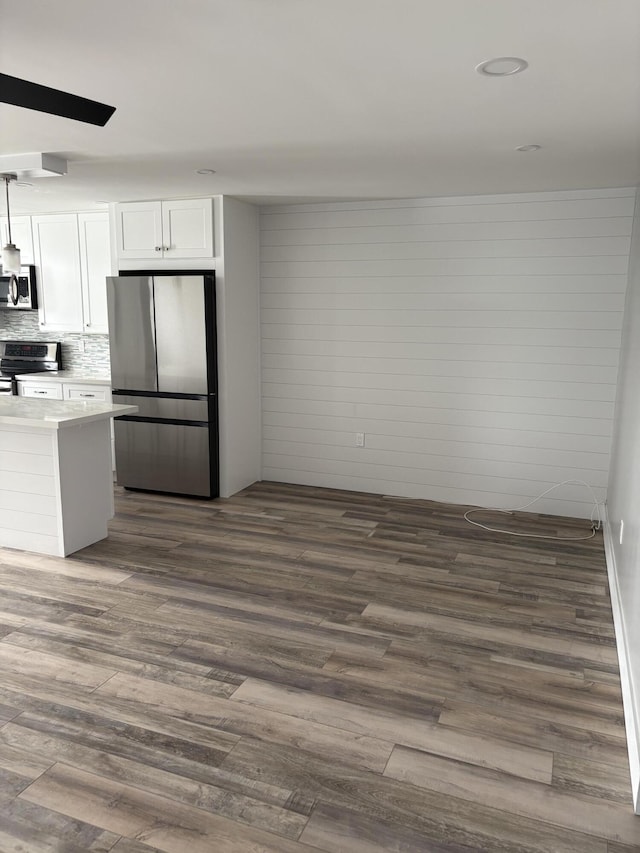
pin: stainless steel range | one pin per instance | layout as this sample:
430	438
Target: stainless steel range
18	357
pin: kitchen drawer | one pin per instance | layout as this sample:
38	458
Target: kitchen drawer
97	393
51	390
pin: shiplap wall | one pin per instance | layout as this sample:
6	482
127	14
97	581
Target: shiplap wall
473	340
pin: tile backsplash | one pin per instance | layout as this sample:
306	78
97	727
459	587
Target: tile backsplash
23	326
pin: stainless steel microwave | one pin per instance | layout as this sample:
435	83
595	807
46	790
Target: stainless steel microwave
18	292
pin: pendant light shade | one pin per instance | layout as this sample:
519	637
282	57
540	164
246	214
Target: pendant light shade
10	259
10	253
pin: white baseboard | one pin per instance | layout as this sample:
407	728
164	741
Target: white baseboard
631	712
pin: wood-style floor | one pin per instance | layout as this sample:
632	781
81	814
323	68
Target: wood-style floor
298	669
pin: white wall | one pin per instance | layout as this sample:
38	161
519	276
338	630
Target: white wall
624	505
473	340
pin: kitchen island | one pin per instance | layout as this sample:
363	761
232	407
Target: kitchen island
56	482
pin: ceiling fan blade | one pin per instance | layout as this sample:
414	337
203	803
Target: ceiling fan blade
33	96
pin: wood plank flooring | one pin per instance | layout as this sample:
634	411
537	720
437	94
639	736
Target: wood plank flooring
298	669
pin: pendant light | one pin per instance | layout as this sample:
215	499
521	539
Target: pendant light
10	253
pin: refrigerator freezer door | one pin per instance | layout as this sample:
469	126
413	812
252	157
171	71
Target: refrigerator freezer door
163	457
132	336
181	334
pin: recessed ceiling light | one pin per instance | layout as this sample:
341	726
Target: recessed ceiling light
205	171
502	66
528	148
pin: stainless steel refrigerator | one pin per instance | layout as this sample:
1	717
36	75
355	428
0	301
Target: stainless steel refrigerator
162	338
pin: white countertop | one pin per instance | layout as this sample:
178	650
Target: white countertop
56	414
66	376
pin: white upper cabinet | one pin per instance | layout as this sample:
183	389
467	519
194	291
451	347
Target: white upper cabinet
73	258
57	250
166	230
139	229
187	228
95	266
21	236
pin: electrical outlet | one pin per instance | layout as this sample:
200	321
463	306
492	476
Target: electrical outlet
621	531
359	439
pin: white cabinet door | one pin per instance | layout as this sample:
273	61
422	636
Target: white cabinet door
187	228
95	264
21	236
139	230
57	253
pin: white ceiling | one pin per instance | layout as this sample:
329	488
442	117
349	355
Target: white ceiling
325	99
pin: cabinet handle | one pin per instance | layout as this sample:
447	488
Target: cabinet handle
158	248
166	248
87	395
